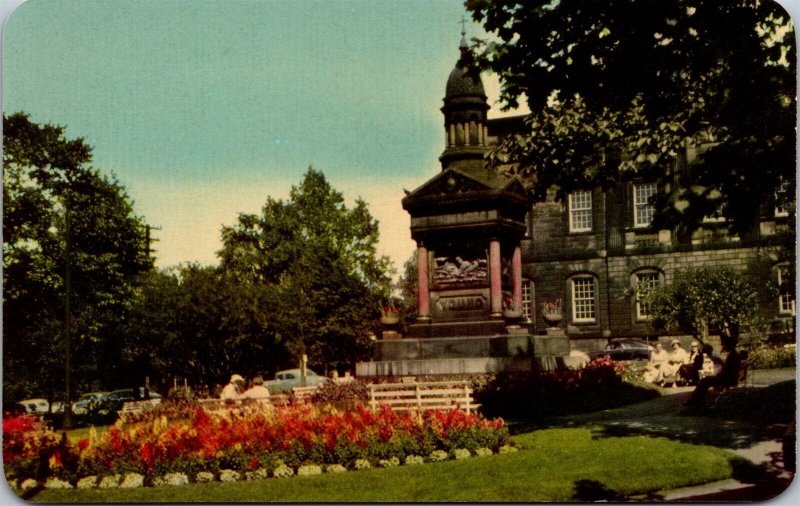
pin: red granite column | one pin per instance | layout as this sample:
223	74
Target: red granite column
495	278
516	277
424	314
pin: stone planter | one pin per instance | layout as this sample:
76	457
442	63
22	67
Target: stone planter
552	319
390	320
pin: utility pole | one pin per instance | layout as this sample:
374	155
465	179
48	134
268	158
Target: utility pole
67	319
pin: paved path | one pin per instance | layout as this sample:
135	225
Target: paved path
666	416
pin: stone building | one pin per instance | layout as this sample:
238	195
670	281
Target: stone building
586	252
589	250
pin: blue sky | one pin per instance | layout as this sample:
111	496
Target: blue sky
203	108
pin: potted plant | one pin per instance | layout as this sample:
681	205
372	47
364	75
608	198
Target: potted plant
390	314
510	310
552	312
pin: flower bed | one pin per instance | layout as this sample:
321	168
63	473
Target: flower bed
249	444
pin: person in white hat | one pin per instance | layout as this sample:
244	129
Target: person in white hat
233	390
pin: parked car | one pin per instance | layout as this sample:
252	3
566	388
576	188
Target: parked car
115	400
35	406
624	349
88	401
290	378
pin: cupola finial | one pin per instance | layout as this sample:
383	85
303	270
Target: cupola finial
463	45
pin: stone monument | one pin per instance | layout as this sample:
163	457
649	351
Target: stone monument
468	222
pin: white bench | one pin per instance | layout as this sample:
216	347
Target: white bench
415	396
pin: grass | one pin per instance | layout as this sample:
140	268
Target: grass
553	465
75	435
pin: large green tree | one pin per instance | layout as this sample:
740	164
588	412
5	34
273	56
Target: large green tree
58	214
617	87
317	260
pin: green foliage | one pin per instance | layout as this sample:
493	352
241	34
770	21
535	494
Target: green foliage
338	391
772	357
535	395
719	296
59	211
617	87
315	260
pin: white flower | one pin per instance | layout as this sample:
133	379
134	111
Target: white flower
438	455
171	479
362	464
461	454
110	481
229	475
87	482
335	468
391	462
283	471
204	477
258	474
508	449
56	483
413	460
483	452
29	484
309	470
132	480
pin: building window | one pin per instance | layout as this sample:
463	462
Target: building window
781	198
646	282
785	295
643	208
527	300
583	299
580	211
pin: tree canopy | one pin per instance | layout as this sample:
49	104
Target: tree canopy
719	297
58	210
617	87
317	261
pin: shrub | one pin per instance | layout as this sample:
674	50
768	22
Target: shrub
772	357
341	391
533	395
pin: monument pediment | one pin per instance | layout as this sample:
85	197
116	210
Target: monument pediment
450	182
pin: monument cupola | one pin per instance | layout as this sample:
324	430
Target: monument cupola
464	111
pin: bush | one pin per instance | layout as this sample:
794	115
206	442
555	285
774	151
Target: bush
772	357
535	395
341	391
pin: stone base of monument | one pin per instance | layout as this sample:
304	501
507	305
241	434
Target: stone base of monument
516	351
391	335
457	329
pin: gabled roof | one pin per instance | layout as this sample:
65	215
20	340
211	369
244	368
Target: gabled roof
454	182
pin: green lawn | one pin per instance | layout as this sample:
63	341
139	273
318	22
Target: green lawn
553	465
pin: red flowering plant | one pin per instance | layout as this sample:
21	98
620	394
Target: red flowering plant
31	450
248	439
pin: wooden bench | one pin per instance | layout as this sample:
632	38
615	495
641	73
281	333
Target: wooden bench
443	395
136	407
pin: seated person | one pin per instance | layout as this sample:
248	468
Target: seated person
677	358
257	391
689	373
712	364
727	377
659	357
